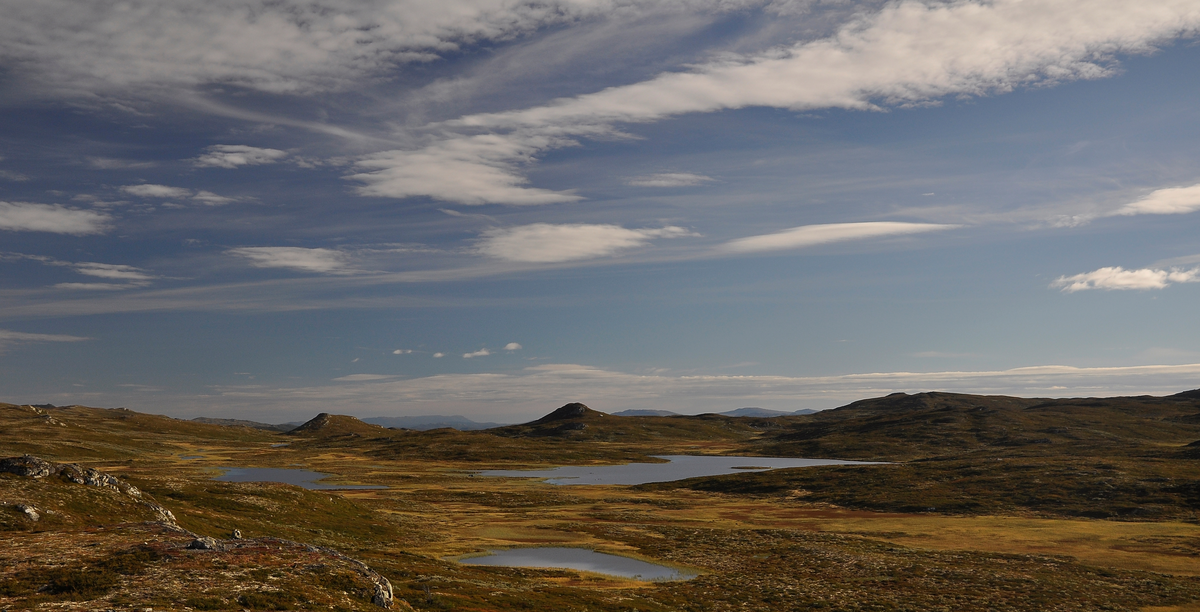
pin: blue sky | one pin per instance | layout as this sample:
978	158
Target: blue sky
271	209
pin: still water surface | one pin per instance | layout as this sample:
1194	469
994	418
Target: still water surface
580	559
301	478
680	467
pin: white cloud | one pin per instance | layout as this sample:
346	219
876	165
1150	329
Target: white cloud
402	352
156	191
212	199
10	338
295	258
670	179
1170	201
480	353
1120	278
29	217
549	243
812	235
363	377
469	170
94	286
285	46
232	156
907	53
112	271
110	163
513	346
438	355
177	193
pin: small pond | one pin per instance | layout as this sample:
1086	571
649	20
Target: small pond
300	478
678	468
580	559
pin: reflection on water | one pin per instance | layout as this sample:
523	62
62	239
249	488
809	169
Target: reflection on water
580	559
300	478
678	468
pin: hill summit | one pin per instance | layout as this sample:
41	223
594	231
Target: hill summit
326	425
574	410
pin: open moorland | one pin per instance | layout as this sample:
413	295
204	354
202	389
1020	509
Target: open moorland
979	503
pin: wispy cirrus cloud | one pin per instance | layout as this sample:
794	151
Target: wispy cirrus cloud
669	179
52	218
324	261
128	276
907	53
9	338
551	243
234	156
483	352
166	192
292	46
1118	278
813	235
156	191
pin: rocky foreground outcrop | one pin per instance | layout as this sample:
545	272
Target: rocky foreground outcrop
30	466
34	467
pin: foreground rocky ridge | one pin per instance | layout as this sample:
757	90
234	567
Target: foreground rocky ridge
95	580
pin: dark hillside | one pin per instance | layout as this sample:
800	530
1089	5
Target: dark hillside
904	427
1122	457
80	433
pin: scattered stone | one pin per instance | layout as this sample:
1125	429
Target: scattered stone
52	421
31	512
237	534
205	543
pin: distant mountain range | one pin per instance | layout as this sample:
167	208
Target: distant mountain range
461	423
432	421
740	412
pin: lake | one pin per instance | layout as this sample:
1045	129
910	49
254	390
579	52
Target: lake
300	478
678	468
580	559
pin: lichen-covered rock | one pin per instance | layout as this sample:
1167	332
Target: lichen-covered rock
205	543
31	512
383	592
33	467
28	466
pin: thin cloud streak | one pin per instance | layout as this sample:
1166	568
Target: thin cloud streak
323	261
813	235
9	338
549	243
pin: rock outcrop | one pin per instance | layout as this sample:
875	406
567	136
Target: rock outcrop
34	467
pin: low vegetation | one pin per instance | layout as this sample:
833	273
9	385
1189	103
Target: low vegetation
986	503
